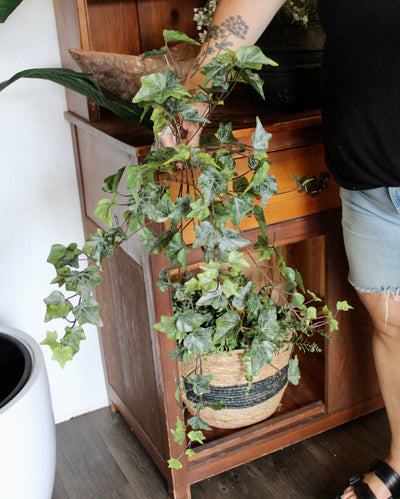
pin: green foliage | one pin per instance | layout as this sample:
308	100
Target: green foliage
6	7
188	198
83	84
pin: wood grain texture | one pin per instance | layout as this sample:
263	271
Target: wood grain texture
317	468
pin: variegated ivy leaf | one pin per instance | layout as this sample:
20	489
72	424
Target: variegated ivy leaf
206	235
176	250
167	325
294	371
198	341
164	280
258	213
87	311
98	246
213	182
262	353
268	323
199	209
189	320
72	338
198	424
214	298
57	306
239	302
84	281
227	325
61	256
199	384
231	240
260	138
207	280
181	209
229	288
225	134
149	238
268	188
236	261
240	207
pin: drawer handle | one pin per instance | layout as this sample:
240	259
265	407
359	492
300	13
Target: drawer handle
313	186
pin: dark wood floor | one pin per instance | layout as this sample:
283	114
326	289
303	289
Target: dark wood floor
99	457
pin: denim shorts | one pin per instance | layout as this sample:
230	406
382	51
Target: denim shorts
371	229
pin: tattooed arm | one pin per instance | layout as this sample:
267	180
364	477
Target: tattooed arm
235	23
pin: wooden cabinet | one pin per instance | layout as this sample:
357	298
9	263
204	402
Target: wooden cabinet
336	386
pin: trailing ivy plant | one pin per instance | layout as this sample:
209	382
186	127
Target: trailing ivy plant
189	198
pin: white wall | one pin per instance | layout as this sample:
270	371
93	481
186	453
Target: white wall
39	200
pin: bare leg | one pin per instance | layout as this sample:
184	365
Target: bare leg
385	313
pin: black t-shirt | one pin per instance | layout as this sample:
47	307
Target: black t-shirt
361	91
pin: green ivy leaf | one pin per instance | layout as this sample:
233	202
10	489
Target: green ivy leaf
174	463
252	57
254	80
103	209
111	183
171	35
51	339
158	87
196	436
154	52
199	209
62	354
258	213
343	305
57	306
236	261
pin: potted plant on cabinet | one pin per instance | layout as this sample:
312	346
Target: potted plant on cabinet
186	200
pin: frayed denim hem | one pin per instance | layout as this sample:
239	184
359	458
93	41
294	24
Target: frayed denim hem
393	291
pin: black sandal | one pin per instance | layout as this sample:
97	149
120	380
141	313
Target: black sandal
385	473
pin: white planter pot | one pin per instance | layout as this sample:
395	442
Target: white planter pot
27	429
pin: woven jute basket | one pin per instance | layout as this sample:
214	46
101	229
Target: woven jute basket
240	408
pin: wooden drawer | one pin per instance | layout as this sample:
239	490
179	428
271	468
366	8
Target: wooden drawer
289	203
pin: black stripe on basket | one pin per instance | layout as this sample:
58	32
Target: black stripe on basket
237	396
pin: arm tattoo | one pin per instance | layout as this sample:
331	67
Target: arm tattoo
217	38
